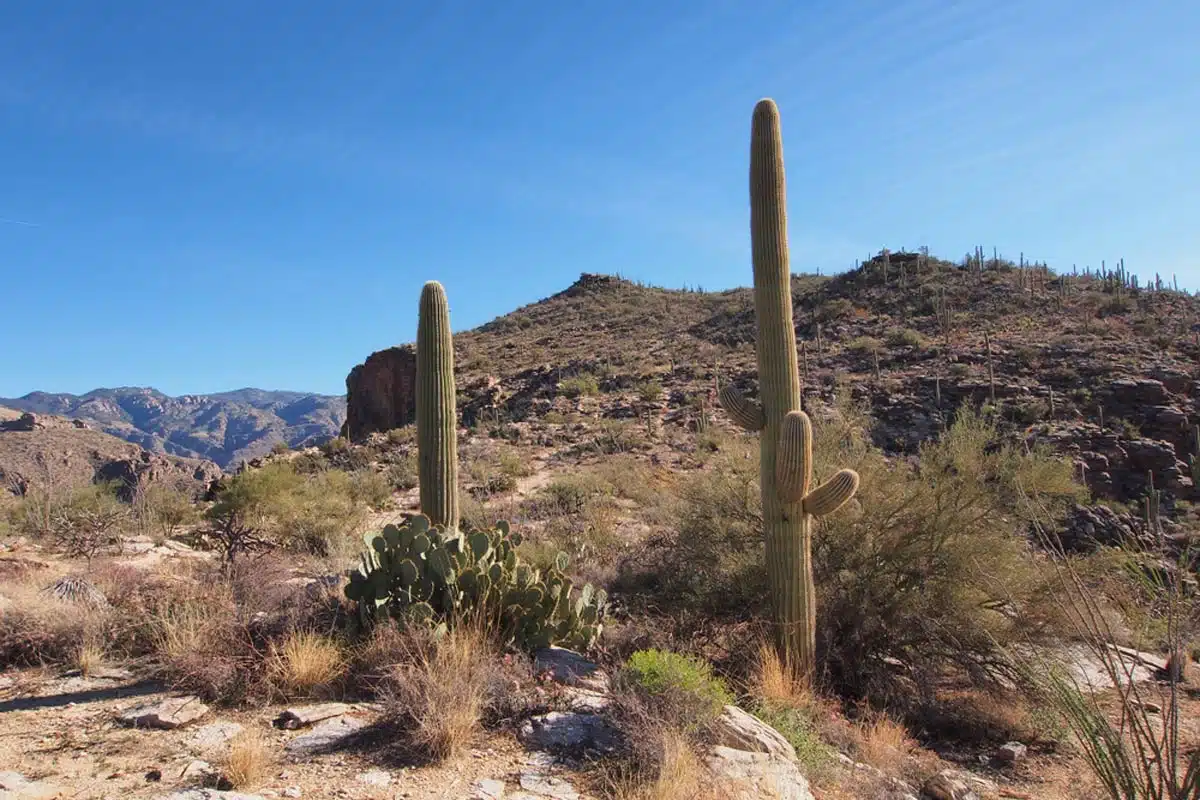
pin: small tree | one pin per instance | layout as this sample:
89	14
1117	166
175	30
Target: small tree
88	521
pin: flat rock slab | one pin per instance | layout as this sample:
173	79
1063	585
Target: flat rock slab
541	785
326	735
168	714
755	775
374	777
14	786
567	730
739	730
214	735
303	716
586	700
570	668
209	794
489	789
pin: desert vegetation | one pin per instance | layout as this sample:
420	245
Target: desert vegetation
729	566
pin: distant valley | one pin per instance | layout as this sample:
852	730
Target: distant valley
226	427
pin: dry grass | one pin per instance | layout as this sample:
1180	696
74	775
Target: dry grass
884	744
441	717
89	657
774	683
37	628
305	664
681	776
249	760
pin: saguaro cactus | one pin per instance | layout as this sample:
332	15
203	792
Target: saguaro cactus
788	505
437	444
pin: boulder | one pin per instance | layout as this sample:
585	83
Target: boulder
739	730
570	668
757	775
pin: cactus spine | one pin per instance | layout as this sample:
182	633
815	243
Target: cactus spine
785	433
437	446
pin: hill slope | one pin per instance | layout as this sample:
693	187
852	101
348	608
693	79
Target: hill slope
225	428
1088	365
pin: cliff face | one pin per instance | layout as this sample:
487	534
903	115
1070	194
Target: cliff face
381	392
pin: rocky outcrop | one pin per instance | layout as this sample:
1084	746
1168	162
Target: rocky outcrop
47	451
381	393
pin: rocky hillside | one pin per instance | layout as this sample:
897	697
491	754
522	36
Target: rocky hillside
56	454
1088	364
225	428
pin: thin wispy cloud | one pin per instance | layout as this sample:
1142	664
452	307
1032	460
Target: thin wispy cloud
20	222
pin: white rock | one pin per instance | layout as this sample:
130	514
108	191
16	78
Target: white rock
169	714
325	735
756	775
292	791
739	730
303	716
1011	752
374	777
548	786
948	785
214	735
489	789
14	785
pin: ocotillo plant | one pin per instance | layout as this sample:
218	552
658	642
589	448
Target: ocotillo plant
785	433
437	444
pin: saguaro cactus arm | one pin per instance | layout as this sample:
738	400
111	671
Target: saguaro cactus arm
746	413
832	494
793	459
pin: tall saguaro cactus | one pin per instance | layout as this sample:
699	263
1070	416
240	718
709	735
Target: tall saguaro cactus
788	504
437	445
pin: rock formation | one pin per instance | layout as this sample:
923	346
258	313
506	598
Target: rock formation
380	393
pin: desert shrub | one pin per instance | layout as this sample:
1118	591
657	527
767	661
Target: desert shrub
280	448
370	488
906	337
929	568
163	510
441	688
649	391
402	470
583	385
677	688
90	519
662	699
36	628
865	345
277	506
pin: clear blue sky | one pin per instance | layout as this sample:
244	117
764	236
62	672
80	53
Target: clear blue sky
204	196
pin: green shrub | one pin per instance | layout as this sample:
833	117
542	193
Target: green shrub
800	729
906	337
865	344
649	391
370	488
678	689
278	506
929	569
583	385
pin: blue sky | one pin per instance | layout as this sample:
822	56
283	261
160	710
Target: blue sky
205	196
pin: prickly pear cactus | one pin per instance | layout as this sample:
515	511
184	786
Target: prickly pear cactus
421	573
788	504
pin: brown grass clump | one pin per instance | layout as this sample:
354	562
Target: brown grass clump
37	628
681	776
884	744
442	688
249	760
305	664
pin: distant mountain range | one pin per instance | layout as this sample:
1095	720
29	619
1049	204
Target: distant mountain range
226	427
